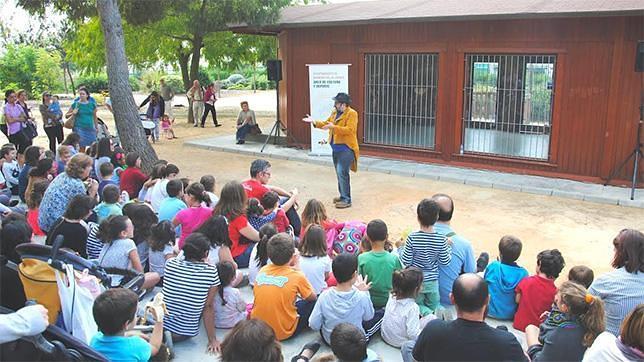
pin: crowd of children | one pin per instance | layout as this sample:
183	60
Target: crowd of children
192	243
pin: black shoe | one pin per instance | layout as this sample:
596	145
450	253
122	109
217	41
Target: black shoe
314	347
217	125
13	203
202	126
482	262
241	142
196	125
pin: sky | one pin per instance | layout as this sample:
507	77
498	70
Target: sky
18	19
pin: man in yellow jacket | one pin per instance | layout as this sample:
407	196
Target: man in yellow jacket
343	138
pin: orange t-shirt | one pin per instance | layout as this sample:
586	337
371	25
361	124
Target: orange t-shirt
276	290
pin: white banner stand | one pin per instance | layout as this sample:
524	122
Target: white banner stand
325	82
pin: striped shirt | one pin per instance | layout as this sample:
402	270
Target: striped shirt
621	291
94	245
185	289
425	251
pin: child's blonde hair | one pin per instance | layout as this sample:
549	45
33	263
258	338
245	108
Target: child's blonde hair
589	309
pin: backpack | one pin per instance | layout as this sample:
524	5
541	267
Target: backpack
348	238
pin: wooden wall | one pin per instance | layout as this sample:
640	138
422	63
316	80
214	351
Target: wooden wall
597	91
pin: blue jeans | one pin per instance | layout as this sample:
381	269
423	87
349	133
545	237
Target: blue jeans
406	350
342	162
304	309
243	259
242	132
155	131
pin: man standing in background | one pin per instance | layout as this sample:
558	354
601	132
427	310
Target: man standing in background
167	94
195	96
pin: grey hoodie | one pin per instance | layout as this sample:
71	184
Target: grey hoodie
334	307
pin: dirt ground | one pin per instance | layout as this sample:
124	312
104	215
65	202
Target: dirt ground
582	231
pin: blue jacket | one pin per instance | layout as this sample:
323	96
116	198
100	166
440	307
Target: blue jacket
502	279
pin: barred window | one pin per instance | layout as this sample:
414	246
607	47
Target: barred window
400	99
507	105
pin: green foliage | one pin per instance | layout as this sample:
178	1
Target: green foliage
150	81
48	75
30	68
95	83
204	78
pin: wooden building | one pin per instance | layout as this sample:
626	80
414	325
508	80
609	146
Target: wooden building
537	87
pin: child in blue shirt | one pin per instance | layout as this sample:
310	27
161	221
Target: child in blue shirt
110	204
54	107
503	276
114	312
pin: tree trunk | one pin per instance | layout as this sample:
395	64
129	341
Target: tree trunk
126	115
71	80
65	78
185	75
194	70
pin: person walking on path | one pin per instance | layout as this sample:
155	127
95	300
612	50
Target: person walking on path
209	104
167	94
343	128
155	112
85	121
195	96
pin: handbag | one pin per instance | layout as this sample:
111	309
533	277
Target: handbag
69	122
30	130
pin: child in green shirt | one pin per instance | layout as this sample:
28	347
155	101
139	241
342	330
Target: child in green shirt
378	264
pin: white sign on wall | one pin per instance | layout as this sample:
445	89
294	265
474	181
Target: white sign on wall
325	81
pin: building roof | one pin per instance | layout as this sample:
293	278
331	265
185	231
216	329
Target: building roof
397	11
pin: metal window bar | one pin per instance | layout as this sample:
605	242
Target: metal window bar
507	105
400	99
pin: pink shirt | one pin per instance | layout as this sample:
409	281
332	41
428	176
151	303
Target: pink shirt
13	111
190	219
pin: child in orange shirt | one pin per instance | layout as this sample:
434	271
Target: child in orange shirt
277	287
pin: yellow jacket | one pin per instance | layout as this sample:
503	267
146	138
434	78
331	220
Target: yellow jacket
344	132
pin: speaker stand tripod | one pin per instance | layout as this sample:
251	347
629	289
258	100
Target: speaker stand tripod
278	126
637	154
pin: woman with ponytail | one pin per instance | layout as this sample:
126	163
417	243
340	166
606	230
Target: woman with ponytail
582	320
196	214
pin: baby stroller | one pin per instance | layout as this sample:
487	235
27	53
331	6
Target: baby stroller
148	126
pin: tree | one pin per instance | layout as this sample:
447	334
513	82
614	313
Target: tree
125	110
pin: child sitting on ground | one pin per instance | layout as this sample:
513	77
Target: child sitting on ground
278	286
174	202
10	168
208	182
348	343
579	274
582	275
119	250
535	294
33	203
315	213
378	264
110	204
230	306
425	249
114	312
259	255
401	322
161	241
196	214
166	127
261	212
106	169
63	155
503	276
582	322
314	262
346	302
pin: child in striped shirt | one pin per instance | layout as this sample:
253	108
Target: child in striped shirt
425	249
